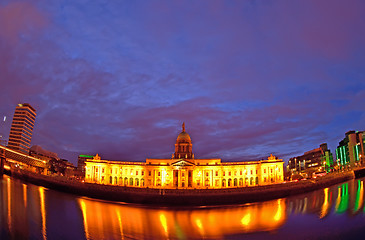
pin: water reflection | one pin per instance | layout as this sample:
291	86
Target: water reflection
28	211
118	221
43	212
344	198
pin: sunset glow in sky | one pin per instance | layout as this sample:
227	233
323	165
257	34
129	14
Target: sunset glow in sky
249	78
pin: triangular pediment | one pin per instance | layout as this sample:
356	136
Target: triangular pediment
182	163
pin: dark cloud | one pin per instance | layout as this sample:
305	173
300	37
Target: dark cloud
249	78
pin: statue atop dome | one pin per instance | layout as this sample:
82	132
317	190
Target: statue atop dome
183	127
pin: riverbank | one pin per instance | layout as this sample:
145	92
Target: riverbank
181	197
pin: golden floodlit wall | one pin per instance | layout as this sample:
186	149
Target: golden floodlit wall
184	171
167	173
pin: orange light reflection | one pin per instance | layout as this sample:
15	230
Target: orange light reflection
104	220
43	212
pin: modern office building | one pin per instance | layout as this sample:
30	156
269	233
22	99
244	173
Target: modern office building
22	127
316	160
350	151
183	170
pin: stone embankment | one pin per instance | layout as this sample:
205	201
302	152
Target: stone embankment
182	197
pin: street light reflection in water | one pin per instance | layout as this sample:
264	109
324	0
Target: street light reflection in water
29	211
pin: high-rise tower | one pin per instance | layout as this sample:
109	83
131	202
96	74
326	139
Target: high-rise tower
22	127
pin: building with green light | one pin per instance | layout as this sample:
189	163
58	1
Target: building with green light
81	163
350	151
316	160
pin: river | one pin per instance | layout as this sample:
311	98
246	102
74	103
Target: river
31	212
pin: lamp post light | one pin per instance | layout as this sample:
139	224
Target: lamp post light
360	161
325	166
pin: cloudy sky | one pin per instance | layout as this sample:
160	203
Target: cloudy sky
249	78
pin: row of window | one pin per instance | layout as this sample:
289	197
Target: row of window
23	124
25	112
14	130
225	183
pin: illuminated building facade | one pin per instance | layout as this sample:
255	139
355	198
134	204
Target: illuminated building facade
22	127
350	151
184	171
316	160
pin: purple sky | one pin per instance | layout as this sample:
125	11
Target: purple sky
249	78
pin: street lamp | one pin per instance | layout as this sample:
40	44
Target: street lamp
360	159
325	166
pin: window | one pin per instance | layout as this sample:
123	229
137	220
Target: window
207	174
142	173
265	171
158	174
149	173
241	172
136	172
256	171
224	173
102	170
229	173
251	171
183	174
216	173
271	170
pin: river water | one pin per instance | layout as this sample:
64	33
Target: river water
32	212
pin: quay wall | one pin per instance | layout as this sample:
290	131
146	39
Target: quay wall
181	197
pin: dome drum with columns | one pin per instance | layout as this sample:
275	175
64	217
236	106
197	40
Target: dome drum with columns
183	146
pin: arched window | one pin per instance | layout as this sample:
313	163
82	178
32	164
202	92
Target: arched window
115	180
224	183
131	181
257	180
125	181
137	182
241	182
235	182
110	179
251	181
120	181
229	182
142	182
